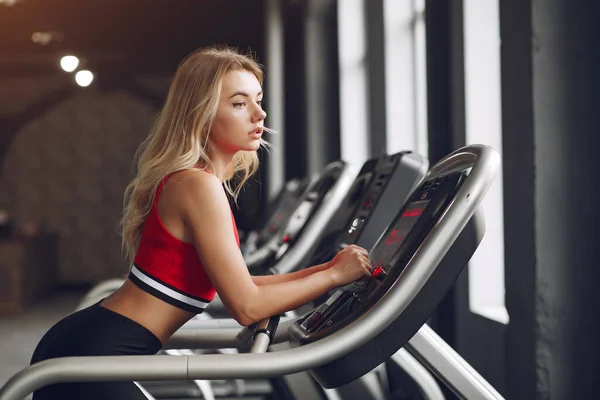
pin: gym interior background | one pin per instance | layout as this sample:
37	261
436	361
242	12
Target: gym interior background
348	79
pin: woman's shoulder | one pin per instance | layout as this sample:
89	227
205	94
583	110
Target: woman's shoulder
193	185
193	176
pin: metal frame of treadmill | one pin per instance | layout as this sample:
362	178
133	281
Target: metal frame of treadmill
311	232
484	163
429	388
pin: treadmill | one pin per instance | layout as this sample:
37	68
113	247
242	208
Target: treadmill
279	212
361	325
312	213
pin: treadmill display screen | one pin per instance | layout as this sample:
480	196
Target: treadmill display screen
392	242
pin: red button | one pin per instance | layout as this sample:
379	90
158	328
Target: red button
377	271
286	238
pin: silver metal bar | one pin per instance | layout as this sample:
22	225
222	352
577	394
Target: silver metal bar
262	340
226	338
223	323
205	387
81	369
217	323
428	385
484	163
371	385
450	367
260	344
220	338
275	88
257	257
144	391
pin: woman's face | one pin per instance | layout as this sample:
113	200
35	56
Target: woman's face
238	125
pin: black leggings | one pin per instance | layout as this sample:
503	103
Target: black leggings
94	331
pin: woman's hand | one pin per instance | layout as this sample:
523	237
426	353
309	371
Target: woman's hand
349	265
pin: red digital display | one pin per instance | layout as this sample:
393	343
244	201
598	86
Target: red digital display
413	212
404	225
399	232
395	237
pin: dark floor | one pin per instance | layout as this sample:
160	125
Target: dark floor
19	334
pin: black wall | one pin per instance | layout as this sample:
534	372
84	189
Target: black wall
294	15
519	194
556	112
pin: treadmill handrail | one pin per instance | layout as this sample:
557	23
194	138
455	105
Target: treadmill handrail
218	323
430	390
309	238
484	163
261	253
221	338
439	357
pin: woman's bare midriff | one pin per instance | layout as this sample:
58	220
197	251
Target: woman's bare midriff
160	318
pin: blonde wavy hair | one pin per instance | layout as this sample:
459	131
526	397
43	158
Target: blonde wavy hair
179	139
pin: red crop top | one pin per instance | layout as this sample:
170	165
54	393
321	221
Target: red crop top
169	268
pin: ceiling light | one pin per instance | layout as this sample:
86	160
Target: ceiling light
69	63
9	3
84	78
46	37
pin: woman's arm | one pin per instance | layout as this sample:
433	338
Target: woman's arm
206	213
291	276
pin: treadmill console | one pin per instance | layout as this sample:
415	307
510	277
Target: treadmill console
305	210
372	204
283	211
369	199
389	258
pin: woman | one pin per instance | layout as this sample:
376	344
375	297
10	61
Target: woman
179	231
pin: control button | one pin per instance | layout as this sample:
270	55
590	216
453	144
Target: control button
286	239
379	273
355	225
427	185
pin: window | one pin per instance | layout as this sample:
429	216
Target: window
484	126
405	69
353	81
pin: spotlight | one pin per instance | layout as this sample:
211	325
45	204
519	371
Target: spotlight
44	38
8	3
69	63
84	78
